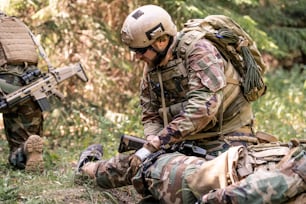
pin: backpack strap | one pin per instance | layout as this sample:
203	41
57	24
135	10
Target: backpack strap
186	40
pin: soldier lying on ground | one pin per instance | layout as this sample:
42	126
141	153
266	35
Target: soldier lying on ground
264	173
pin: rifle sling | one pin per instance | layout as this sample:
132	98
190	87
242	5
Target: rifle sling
165	116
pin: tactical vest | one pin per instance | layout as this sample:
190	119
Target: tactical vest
174	78
16	44
235	112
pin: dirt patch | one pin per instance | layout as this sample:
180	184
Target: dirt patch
88	195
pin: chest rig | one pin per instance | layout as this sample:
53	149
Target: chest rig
235	110
174	81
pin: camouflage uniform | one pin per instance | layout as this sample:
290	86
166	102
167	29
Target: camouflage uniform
204	103
199	100
256	175
18	57
166	179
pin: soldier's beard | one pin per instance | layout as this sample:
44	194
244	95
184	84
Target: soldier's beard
161	55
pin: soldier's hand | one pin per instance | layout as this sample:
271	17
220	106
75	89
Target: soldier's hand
140	155
153	143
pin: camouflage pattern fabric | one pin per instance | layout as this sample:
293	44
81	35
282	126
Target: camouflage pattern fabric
201	96
280	186
167	180
205	81
20	122
161	178
260	187
115	172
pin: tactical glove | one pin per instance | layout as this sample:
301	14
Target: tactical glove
140	155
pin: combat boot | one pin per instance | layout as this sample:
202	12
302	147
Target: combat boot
33	149
92	153
86	167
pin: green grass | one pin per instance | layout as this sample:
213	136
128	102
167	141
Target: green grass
281	112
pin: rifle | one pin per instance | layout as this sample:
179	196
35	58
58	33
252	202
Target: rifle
128	143
43	87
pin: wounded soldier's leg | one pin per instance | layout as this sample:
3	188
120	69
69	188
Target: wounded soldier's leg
114	173
279	186
165	179
111	173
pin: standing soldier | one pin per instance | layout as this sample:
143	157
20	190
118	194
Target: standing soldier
23	123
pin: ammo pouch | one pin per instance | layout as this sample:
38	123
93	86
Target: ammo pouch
267	155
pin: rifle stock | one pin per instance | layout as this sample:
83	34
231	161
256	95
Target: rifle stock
128	143
43	87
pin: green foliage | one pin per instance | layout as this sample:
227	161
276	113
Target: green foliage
56	184
181	11
284	22
72	32
281	111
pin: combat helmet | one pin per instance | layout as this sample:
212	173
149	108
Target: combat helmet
145	24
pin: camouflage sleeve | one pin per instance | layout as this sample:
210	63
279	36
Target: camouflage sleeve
206	80
151	120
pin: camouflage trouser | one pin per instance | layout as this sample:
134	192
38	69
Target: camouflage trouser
284	185
176	178
20	122
115	172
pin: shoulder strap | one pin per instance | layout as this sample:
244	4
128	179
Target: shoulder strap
187	38
165	116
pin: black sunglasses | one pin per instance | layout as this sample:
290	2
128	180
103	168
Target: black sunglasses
139	50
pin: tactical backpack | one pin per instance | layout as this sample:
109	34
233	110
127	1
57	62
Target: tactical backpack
235	45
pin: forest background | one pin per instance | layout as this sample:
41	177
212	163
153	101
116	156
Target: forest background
99	111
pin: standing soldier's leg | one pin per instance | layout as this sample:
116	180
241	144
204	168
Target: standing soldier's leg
23	128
